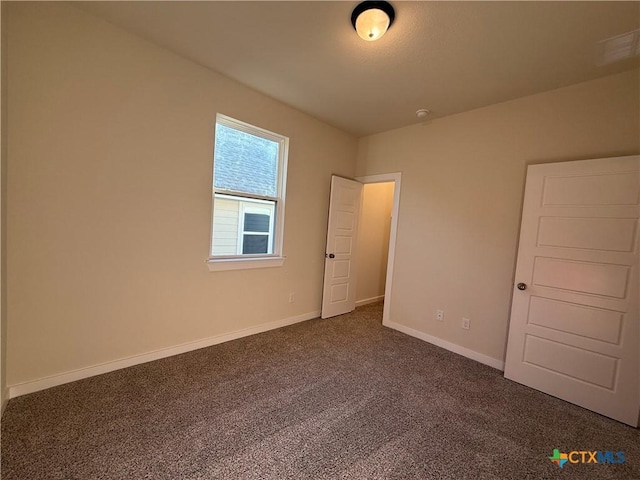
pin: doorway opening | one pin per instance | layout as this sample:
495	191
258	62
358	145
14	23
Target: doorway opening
376	244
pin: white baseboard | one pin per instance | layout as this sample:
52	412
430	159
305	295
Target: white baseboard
72	376
452	347
367	301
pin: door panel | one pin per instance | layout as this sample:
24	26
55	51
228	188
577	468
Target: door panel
609	234
589	322
591	189
573	362
342	245
574	330
341	268
339	292
595	278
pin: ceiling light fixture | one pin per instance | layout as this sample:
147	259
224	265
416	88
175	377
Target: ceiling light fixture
371	19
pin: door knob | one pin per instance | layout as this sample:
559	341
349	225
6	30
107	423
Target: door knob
522	286
331	255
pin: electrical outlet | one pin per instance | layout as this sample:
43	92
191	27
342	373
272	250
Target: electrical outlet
466	323
440	315
292	297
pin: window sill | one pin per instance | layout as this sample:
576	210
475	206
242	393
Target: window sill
219	264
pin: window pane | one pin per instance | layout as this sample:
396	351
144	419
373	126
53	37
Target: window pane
245	162
254	222
228	228
255	244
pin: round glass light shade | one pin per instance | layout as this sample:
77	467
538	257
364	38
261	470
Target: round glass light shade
372	24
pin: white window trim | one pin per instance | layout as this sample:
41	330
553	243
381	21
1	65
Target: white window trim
216	265
237	262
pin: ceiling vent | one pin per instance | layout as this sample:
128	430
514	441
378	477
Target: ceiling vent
618	48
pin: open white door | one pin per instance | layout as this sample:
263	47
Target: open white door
574	330
339	292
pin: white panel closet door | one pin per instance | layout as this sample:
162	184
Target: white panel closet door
574	330
339	292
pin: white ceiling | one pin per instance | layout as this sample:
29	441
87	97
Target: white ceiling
448	57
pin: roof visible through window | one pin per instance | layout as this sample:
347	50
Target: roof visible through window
245	162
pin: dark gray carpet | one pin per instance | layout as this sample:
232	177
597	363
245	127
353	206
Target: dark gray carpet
339	398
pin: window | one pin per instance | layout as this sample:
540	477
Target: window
249	175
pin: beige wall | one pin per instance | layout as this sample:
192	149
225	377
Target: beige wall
373	240
462	187
110	161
